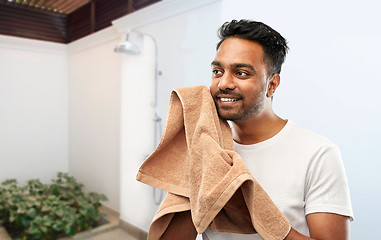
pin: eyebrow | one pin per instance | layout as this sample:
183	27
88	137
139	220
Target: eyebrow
236	65
216	63
244	65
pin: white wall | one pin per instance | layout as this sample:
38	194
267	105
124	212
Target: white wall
59	111
186	36
330	84
33	109
94	111
137	139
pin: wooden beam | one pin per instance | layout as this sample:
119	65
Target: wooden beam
70	7
92	16
130	6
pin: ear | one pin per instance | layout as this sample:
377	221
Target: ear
272	85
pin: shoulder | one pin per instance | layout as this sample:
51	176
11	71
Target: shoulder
310	147
307	138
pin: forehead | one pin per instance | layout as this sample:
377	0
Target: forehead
236	50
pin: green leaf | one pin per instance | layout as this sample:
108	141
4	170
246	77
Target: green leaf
44	229
32	213
58	226
25	221
60	212
21	210
9	182
12	218
37	235
38	220
69	230
33	231
48	220
46	208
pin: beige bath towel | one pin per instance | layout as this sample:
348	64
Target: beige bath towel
196	164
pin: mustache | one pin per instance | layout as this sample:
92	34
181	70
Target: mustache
227	92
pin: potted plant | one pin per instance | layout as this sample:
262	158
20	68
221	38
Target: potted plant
48	211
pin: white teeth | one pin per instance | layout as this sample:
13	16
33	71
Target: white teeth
228	99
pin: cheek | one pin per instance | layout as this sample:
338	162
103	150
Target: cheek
251	91
247	87
213	86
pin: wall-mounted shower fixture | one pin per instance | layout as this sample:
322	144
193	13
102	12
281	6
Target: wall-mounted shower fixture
128	47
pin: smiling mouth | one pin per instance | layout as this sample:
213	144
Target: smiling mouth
228	99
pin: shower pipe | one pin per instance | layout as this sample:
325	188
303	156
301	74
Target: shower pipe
128	47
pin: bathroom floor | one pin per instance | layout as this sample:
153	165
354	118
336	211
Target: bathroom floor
110	230
114	234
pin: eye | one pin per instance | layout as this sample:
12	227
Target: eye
217	72
242	74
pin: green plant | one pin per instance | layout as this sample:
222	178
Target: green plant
41	211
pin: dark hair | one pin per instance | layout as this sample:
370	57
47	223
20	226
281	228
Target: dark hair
274	45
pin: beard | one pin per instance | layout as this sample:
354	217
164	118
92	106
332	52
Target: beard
245	110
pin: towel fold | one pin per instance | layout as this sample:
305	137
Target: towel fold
196	164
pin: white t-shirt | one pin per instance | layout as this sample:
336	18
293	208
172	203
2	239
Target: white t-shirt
301	171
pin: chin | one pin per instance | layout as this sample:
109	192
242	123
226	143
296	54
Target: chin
229	116
235	116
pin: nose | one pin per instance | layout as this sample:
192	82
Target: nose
226	82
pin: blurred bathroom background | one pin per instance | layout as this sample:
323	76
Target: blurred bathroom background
81	108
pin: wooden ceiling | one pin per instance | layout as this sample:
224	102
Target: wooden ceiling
62	21
53	6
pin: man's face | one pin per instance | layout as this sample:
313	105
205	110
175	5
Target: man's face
239	79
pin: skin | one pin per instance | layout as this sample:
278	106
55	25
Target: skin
239	70
241	74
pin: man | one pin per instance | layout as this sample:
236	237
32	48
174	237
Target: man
301	171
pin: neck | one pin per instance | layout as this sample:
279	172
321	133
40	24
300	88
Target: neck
258	128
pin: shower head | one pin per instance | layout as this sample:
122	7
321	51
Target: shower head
127	47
